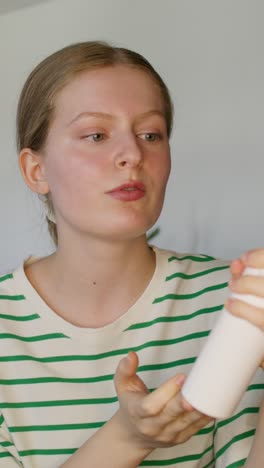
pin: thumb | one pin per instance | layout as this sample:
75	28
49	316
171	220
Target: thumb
128	365
125	378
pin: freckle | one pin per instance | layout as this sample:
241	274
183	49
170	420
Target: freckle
94	282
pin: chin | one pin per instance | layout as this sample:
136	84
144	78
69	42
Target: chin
130	231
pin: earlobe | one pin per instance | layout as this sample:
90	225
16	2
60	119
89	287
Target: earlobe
33	171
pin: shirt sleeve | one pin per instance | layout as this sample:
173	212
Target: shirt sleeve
234	436
9	457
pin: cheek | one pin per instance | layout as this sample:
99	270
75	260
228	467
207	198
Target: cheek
167	166
74	172
162	170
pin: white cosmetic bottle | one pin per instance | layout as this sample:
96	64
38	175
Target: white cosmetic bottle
228	361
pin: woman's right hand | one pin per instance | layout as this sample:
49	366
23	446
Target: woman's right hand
158	419
143	422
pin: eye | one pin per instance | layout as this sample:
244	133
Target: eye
151	137
95	137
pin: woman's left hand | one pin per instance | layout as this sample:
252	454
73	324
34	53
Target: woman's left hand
246	284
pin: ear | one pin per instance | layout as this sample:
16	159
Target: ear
33	171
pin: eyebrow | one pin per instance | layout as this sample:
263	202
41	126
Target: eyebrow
104	115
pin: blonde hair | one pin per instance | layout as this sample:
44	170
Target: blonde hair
37	100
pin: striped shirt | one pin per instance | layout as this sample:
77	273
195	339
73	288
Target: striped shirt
56	379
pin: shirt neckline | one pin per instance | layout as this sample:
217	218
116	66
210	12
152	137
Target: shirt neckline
94	335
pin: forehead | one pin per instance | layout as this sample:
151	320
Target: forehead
110	89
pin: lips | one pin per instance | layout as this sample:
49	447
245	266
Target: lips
130	191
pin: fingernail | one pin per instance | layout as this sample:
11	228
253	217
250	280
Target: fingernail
179	379
126	358
186	405
229	303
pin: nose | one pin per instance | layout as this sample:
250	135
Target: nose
130	154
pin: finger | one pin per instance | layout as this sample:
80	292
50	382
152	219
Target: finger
126	368
126	379
254	258
174	413
237	267
190	419
192	429
177	433
248	285
245	311
186	405
154	402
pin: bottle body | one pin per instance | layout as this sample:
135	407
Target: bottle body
227	363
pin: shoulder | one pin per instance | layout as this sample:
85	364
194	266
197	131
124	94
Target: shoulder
7	286
192	266
194	279
11	297
14	284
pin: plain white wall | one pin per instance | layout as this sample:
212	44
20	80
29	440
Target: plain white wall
210	53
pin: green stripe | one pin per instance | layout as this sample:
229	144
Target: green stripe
237	463
190	296
12	298
44	404
32	338
1	419
5	454
196	275
6	443
255	387
210	463
22	318
250	410
235	439
4	278
172	461
100	378
153	233
117	352
177	318
63	451
56	427
167	365
195	258
206	430
40	380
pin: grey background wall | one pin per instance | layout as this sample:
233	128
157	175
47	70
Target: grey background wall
210	52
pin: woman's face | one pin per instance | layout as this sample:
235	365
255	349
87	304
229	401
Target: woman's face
107	155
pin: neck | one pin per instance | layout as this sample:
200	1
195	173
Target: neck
102	262
104	277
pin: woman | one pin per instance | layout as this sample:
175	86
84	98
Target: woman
97	337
